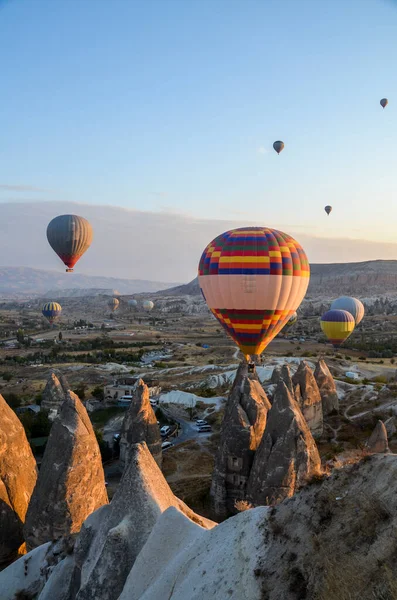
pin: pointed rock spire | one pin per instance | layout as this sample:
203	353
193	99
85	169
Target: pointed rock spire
71	482
378	442
18	474
54	394
140	425
287	456
308	397
327	388
241	432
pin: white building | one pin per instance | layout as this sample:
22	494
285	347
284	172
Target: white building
125	387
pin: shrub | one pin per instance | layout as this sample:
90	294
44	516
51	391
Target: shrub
7	376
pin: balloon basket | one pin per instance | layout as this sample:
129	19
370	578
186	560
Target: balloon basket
69	270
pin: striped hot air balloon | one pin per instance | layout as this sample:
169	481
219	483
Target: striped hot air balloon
253	280
113	304
52	311
354	306
337	325
69	236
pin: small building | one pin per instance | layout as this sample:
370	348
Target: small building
352	375
33	408
122	390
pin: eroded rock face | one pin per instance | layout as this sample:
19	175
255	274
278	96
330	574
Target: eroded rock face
18	474
285	376
276	375
327	388
241	433
308	397
140	425
287	456
54	394
71	483
378	442
109	548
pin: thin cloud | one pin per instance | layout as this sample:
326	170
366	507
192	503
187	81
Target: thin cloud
262	150
21	188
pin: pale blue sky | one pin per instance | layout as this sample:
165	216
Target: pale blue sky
174	105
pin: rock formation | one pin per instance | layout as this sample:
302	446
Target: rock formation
140	425
241	432
390	426
378	442
71	483
106	550
286	377
327	388
54	394
287	456
276	375
308	397
18	474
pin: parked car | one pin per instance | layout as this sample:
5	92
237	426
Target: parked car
202	428
201	422
166	445
165	430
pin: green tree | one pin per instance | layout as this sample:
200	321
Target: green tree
12	399
60	336
97	393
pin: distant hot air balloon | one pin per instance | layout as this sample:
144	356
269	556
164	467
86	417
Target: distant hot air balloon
148	305
52	311
253	279
292	320
69	236
132	303
278	146
384	102
354	306
328	209
113	304
337	325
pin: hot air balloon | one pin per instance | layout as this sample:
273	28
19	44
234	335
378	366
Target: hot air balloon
148	305
384	102
132	303
253	279
69	236
337	325
278	146
328	209
292	320
52	311
354	306
113	304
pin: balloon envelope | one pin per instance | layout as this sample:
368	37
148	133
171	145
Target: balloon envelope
278	146
113	304
148	305
328	209
384	102
132	303
52	311
253	279
354	306
69	236
337	325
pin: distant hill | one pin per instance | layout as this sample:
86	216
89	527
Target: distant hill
18	282
370	278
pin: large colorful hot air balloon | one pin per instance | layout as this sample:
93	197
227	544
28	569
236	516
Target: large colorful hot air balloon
69	236
113	304
337	325
253	279
52	311
328	209
278	146
292	320
148	305
132	303
354	306
384	102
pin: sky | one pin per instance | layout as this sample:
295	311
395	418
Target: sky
172	107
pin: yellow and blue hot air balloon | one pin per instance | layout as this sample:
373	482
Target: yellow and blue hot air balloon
292	320
354	306
69	236
148	305
52	311
253	279
337	325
